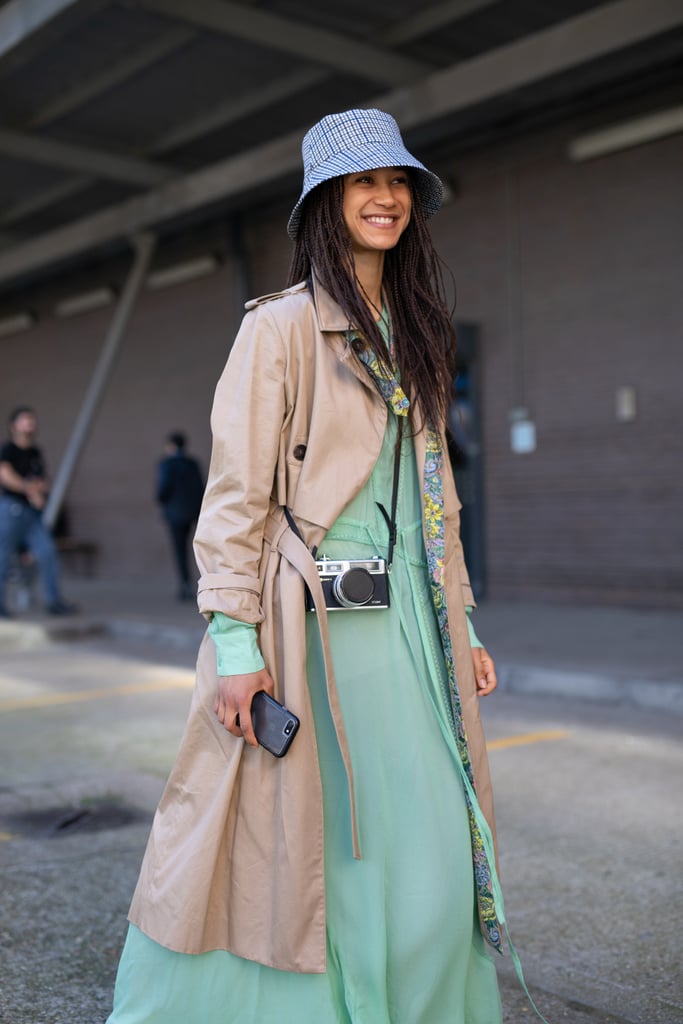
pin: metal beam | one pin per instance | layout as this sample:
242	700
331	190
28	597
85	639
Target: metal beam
112	166
349	55
407	30
242	106
144	247
27	26
48	197
20	19
89	90
63	104
431	19
585	38
625	134
577	41
229	177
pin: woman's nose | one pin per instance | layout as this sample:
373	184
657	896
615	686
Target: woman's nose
385	195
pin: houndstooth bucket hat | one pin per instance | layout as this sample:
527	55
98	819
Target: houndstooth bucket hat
360	140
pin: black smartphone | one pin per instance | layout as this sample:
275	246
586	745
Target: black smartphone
274	725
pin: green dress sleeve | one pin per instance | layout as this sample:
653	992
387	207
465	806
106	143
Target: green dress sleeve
237	651
474	639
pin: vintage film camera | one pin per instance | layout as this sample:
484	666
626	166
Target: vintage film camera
354	583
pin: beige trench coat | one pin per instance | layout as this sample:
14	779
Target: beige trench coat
235	856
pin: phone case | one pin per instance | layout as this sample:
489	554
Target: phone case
274	725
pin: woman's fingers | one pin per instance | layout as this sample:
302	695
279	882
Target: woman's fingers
245	724
484	671
232	705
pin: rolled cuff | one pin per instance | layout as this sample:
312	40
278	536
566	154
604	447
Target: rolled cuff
236	596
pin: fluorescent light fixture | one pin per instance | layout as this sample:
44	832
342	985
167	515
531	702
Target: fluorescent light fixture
179	273
630	133
85	303
15	324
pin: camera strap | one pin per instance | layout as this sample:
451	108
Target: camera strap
295	529
390	520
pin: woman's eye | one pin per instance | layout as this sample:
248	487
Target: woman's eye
369	179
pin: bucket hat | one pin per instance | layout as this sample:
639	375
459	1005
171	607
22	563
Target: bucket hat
360	140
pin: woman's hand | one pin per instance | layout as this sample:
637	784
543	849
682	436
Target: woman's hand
234	695
484	671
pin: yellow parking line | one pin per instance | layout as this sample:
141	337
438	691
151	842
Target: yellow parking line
526	738
74	696
155	686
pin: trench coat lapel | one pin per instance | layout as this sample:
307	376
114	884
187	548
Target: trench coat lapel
336	327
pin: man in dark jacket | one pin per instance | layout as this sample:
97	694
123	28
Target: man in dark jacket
180	488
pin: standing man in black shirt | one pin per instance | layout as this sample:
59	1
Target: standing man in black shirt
23	494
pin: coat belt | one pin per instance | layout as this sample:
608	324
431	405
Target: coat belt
281	538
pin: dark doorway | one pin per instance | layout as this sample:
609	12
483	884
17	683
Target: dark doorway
466	453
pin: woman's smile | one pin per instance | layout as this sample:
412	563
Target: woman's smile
379	221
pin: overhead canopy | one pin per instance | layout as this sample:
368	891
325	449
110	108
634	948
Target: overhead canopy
118	117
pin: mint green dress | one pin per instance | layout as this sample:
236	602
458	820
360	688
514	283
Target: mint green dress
403	943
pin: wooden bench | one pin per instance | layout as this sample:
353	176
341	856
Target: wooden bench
79	554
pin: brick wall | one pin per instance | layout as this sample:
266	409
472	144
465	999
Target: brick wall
574	276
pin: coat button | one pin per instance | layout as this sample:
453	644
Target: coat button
299	452
358	345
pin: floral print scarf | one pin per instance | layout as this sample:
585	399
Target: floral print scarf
433	511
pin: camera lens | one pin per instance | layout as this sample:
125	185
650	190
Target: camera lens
353	588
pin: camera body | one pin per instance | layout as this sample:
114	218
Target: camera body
352	584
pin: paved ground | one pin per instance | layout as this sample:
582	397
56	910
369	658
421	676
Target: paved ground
588	799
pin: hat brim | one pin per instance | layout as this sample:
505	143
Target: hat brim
428	186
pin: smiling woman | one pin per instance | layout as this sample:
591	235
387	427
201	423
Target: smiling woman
352	880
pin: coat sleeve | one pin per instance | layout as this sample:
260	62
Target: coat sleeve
246	423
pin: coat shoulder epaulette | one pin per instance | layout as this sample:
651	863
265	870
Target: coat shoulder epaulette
262	299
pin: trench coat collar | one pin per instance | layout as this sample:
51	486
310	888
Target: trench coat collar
331	317
329	314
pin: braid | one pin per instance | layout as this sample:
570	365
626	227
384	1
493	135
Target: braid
414	288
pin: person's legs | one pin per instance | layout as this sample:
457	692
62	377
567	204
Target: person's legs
41	544
180	537
12	533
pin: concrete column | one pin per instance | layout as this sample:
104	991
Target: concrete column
144	248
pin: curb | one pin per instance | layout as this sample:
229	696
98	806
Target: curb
603	688
662	695
23	636
177	637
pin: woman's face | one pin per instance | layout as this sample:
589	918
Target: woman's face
376	208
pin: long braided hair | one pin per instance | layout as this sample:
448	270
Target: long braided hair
413	287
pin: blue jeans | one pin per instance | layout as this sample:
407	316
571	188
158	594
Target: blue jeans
20	524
